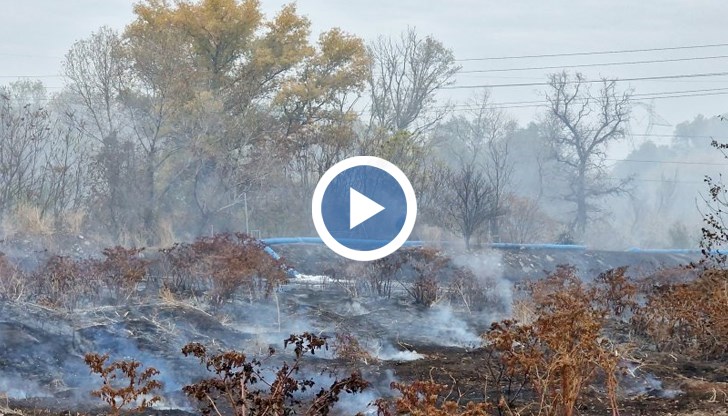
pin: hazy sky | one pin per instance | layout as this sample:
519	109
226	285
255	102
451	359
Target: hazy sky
35	34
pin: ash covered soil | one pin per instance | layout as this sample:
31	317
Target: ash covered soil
42	369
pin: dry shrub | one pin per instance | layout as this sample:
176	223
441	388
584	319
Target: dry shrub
347	347
525	222
470	291
180	265
523	311
124	383
12	280
667	276
425	398
418	270
689	318
239	387
563	349
123	270
425	291
428	265
382	273
167	297
616	293
231	262
64	282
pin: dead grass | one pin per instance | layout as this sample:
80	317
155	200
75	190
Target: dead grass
73	221
27	219
165	233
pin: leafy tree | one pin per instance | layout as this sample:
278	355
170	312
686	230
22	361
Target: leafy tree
203	102
317	105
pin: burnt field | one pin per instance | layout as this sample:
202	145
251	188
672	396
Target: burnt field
227	329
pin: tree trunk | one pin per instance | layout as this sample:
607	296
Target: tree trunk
150	212
494	229
581	207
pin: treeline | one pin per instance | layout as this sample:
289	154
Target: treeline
200	117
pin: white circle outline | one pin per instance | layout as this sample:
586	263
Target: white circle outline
364	255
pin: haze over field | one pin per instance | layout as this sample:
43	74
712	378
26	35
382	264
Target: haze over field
669	54
158	161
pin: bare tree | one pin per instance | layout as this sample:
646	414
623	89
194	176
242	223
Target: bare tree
128	94
481	139
581	125
525	222
405	75
494	127
470	200
24	129
40	158
63	172
715	227
97	73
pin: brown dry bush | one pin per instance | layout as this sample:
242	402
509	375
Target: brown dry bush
63	282
563	349
124	383
428	266
122	270
229	262
381	274
418	270
180	265
347	347
689	318
475	294
12	280
238	385
425	398
615	291
664	277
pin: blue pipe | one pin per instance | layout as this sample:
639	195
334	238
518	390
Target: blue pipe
664	250
516	246
503	246
316	240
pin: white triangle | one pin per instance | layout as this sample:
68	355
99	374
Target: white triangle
361	208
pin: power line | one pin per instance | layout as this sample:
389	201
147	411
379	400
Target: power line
667	162
537	84
657	180
654	61
608	52
31	76
646	95
24	55
678	136
535	104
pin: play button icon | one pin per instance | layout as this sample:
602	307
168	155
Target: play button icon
364	208
361	208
